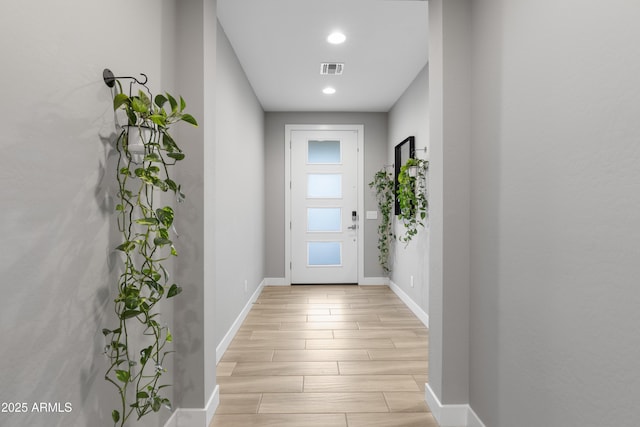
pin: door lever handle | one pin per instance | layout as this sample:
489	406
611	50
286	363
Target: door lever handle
352	227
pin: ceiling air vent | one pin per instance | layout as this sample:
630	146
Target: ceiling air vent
331	68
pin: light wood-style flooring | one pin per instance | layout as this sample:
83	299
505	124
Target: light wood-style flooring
326	356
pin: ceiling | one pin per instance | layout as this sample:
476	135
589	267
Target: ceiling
281	43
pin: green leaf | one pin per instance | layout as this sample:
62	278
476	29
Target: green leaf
173	102
174	290
131	302
145	353
142	395
144	98
189	119
160	184
177	156
119	207
131	115
115	416
163	232
169	336
128	314
173	251
171	184
106	332
152	157
126	246
119	99
124	171
138	105
147	221
183	104
155	405
165	215
160	100
122	375
158	119
169	144
160	241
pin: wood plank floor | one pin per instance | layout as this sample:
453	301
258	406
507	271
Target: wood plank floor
326	356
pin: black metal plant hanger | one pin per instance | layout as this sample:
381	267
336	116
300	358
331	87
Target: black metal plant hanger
110	80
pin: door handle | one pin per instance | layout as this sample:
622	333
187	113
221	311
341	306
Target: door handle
352	227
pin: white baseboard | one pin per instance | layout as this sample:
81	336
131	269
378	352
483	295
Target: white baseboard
173	419
451	415
445	415
374	281
474	420
415	308
231	333
212	405
276	281
195	417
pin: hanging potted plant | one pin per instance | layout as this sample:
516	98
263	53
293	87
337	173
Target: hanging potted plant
383	185
138	345
412	197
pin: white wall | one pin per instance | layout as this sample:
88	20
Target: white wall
57	262
555	213
410	117
239	195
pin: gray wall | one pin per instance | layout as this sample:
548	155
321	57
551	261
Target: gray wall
375	156
555	210
544	305
450	133
239	198
195	80
58	188
410	117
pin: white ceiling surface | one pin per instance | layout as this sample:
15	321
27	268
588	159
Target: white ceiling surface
281	43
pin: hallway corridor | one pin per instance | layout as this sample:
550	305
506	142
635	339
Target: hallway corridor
326	356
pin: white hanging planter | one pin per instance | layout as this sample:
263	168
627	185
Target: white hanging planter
138	139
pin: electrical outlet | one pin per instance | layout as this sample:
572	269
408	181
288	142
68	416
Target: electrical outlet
411	281
246	285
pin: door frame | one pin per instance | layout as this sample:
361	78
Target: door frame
359	129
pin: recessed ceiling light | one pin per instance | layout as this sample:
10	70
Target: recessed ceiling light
328	91
336	38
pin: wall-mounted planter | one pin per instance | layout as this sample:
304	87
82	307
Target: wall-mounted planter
138	138
138	343
411	195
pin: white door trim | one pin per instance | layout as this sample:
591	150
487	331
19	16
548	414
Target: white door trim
287	192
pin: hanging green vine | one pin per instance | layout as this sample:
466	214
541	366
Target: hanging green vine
137	347
412	197
383	185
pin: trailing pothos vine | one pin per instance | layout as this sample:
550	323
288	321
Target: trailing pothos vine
412	197
383	185
137	347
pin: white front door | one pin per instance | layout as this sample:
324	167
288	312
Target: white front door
324	204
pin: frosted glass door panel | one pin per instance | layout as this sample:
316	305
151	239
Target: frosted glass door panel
321	254
324	219
324	186
324	152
